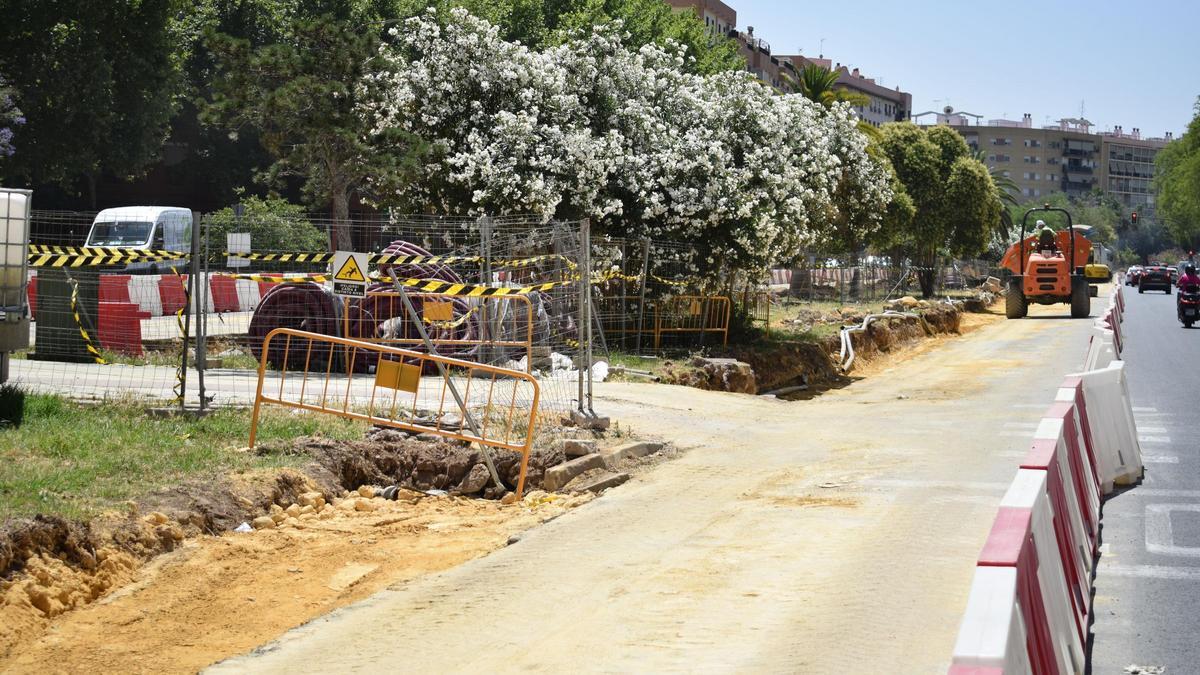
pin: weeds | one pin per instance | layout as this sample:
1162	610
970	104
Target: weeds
75	460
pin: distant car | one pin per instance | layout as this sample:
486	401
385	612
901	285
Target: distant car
1155	277
1132	274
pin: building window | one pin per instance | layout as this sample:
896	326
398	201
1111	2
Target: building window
1001	141
1003	158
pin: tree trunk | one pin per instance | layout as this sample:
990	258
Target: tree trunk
927	275
91	188
343	239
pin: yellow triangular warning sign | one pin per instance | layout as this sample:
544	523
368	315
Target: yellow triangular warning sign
350	271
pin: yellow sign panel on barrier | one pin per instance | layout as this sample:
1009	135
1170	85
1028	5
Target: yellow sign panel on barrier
397	375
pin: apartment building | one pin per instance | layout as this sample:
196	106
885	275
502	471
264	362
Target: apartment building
1066	157
884	105
1127	167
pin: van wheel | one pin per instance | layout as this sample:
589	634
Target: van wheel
1081	304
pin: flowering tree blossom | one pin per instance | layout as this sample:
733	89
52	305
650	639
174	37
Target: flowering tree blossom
10	116
589	128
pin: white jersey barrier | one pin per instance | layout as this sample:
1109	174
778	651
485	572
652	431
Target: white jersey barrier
1113	429
1030	602
992	638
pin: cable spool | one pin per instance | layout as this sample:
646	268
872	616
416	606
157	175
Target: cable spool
308	307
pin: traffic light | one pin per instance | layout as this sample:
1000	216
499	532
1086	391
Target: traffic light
1133	217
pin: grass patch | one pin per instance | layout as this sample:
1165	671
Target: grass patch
76	461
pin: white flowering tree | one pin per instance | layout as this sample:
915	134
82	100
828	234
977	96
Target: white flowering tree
589	128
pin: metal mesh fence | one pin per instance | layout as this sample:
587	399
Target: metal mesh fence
168	305
108	321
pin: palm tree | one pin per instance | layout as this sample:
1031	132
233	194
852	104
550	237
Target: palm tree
820	85
1008	193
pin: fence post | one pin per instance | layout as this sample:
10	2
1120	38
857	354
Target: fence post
642	294
202	319
585	282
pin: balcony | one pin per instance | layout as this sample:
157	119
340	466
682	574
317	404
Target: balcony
1072	152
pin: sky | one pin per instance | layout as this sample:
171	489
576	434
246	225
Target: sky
1134	64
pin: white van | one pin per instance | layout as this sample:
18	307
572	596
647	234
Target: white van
144	228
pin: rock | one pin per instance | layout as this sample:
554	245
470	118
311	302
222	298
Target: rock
275	508
346	504
278	516
728	375
509	498
558	476
156	518
477	479
309	498
577	447
905	304
386	435
612	457
366	491
602	482
262	523
364	505
293	511
325	515
295	522
305	510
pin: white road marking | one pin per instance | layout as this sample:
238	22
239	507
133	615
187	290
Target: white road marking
1153	430
1159	536
1159	459
1150	572
1137	409
1153	439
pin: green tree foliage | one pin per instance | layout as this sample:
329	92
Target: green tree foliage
1096	210
299	95
819	84
955	204
98	83
1178	184
274	224
543	23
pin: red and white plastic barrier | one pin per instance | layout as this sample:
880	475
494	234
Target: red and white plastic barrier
163	294
1113	429
1030	601
992	639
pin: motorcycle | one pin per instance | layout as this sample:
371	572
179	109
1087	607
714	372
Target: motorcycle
1187	305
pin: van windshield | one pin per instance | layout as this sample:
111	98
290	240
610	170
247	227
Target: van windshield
120	233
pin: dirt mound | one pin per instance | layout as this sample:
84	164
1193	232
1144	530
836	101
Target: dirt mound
392	457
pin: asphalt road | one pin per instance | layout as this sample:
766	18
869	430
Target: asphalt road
1148	579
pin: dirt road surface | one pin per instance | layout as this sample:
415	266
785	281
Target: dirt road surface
833	535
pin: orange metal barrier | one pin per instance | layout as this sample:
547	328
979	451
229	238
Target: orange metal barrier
692	314
457	327
398	393
756	303
663	316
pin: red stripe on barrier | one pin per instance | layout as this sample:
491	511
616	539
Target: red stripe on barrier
119	327
170	291
114	288
224	293
1043	456
1065	412
1010	544
1075	383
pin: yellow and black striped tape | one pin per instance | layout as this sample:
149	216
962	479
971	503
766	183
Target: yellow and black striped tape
278	279
90	251
180	387
87	339
401	259
97	257
439	287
